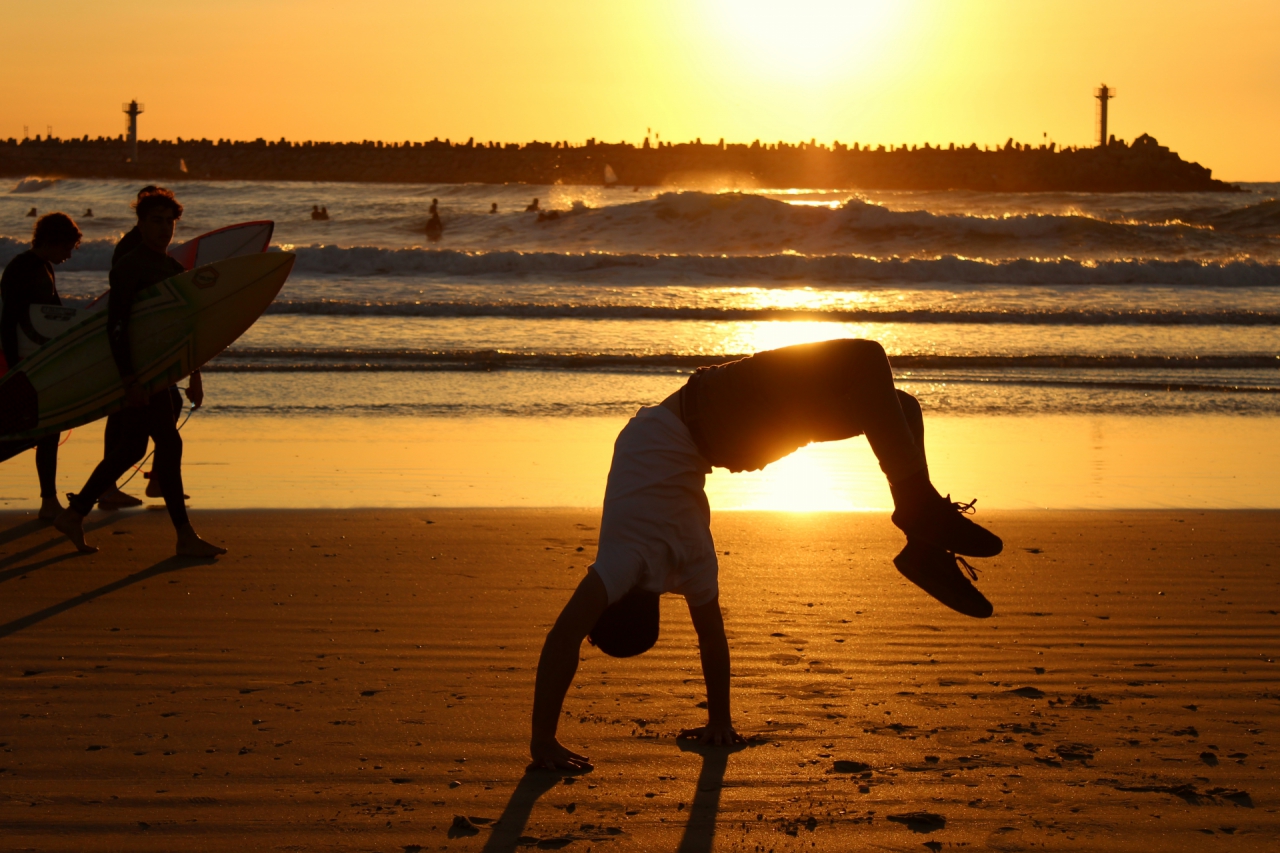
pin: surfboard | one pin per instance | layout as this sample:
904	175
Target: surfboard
175	327
232	241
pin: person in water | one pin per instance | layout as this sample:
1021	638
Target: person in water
533	205
655	534
88	213
114	497
435	207
28	280
435	228
145	414
32	213
318	214
493	208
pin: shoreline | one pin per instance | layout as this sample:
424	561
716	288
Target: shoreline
325	684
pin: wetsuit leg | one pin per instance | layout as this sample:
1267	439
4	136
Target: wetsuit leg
175	399
167	470
126	447
111	436
47	465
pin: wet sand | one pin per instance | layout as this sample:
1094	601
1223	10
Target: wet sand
352	680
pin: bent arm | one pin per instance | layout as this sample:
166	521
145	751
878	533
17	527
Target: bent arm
559	661
119	307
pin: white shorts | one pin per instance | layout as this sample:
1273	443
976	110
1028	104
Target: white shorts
656	529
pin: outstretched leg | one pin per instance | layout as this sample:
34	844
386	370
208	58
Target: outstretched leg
167	471
47	471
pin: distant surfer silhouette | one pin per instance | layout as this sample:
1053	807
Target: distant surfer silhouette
319	214
493	208
655	533
28	280
435	206
32	212
88	213
145	414
533	205
435	228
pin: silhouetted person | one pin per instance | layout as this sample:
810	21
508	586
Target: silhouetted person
435	228
435	206
548	215
533	205
315	211
493	208
655	533
88	213
28	280
145	414
32	212
324	212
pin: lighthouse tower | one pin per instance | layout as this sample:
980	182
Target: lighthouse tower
133	109
1103	93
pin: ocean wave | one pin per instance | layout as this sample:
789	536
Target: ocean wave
307	359
533	310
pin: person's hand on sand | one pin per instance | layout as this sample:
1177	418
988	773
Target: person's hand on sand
715	734
550	755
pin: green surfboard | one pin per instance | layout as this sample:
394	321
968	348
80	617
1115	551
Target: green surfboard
175	327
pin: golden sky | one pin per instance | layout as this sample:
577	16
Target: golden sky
1203	77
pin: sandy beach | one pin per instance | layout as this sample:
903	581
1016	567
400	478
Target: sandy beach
355	680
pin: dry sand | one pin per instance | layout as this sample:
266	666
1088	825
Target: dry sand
352	680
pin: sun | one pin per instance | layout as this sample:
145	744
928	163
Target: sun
806	38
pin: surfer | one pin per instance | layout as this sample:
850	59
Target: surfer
655	534
88	213
28	280
114	497
533	205
493	208
318	214
435	228
32	212
435	207
145	415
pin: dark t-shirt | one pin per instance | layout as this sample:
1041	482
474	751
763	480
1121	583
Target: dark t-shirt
27	280
748	413
135	271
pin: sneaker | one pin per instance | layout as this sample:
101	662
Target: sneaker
941	522
938	573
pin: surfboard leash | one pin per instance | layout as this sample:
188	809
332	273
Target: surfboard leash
191	410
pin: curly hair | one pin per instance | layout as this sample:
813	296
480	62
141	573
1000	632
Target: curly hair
56	228
152	198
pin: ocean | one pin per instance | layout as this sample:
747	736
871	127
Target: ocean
998	305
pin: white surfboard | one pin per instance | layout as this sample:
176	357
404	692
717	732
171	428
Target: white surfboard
175	327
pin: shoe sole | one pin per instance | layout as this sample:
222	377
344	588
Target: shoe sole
971	602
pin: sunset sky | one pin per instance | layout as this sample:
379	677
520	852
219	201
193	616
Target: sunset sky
1203	77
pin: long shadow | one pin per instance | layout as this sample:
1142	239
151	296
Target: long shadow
700	830
18	572
172	564
508	828
29	527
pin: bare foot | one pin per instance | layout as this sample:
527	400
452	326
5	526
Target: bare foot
70	523
191	545
49	509
113	498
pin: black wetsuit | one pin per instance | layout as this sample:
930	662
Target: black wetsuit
748	413
28	280
130	241
135	271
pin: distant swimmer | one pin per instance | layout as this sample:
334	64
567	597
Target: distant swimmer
32	211
533	205
435	228
88	213
655	534
435	206
324	212
318	213
494	208
28	280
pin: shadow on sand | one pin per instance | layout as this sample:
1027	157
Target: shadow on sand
699	832
172	564
28	528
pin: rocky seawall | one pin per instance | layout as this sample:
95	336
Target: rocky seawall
1142	166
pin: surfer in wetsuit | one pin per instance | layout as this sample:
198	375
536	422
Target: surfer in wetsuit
114	497
28	280
145	415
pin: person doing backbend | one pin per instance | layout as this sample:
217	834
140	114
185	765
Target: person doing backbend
655	533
